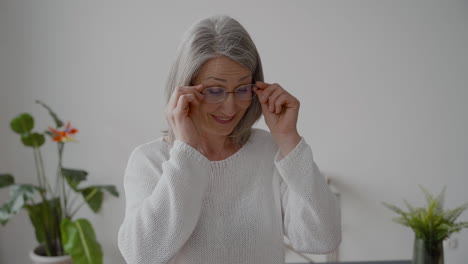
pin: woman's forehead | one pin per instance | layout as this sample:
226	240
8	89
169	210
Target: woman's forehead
223	69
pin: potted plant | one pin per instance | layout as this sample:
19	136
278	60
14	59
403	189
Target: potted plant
431	225
52	208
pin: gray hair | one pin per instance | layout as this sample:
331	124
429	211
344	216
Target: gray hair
209	38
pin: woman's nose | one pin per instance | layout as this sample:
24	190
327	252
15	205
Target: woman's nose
229	104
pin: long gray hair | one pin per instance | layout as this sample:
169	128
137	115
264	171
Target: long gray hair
209	38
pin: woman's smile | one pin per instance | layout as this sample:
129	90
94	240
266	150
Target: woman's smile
223	120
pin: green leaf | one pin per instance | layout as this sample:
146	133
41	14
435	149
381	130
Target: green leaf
110	189
57	121
45	218
427	194
22	124
19	195
440	200
4	214
79	240
74	177
394	208
34	140
6	180
94	195
430	223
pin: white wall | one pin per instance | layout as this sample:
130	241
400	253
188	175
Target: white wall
383	87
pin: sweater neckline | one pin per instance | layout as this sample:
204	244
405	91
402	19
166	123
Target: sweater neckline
228	159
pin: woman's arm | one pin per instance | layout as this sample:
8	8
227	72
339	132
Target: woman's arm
311	214
163	205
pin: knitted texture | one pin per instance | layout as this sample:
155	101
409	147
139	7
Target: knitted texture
183	208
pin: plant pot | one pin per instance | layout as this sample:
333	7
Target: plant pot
38	257
425	252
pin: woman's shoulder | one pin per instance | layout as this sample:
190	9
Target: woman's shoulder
154	150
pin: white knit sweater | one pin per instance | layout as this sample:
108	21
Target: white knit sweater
183	208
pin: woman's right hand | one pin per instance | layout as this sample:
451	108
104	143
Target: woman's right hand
182	113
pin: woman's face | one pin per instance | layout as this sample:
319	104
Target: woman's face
221	118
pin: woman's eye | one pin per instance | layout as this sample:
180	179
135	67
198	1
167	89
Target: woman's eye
243	89
214	90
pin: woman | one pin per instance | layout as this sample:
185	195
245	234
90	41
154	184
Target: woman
213	189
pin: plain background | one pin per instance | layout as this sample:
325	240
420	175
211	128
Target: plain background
382	85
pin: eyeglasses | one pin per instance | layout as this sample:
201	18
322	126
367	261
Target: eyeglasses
244	93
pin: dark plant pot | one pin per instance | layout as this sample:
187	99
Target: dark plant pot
425	252
38	257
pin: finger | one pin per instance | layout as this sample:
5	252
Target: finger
272	98
196	90
261	85
180	90
280	102
183	104
267	92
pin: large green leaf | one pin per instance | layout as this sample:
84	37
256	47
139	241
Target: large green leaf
34	140
6	180
110	189
22	124
45	218
4	214
74	177
19	195
94	195
57	121
80	242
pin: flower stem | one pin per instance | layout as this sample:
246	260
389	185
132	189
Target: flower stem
62	178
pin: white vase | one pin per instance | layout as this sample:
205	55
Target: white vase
38	259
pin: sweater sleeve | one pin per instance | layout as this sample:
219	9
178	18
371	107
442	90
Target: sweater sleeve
162	205
311	214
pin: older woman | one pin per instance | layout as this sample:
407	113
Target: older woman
214	189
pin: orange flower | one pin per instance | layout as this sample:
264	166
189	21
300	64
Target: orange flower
65	135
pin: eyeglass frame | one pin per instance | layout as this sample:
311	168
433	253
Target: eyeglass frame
233	92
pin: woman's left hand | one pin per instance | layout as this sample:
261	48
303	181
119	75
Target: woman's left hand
280	110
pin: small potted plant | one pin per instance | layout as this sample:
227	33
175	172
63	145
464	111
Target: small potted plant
431	225
52	208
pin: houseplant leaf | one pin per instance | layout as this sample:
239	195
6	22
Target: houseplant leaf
94	195
22	124
19	195
34	140
4	214
80	242
6	180
45	217
110	189
57	120
74	177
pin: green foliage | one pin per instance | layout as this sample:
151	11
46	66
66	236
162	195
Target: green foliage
80	242
34	140
74	177
45	218
52	216
22	124
6	180
93	195
430	223
58	122
19	195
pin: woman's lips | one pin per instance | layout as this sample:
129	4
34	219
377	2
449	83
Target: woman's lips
223	120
